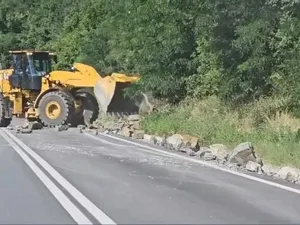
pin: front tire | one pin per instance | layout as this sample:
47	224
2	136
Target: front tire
56	108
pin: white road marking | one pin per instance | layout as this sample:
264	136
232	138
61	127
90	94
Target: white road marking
84	201
203	163
74	212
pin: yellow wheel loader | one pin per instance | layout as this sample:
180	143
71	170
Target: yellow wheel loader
32	90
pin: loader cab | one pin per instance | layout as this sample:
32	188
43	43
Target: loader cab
28	69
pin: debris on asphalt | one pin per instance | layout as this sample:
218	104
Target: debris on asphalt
10	127
81	127
26	131
36	125
18	129
62	128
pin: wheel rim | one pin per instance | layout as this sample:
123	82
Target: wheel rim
53	110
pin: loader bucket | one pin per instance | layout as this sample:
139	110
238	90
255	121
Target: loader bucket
109	94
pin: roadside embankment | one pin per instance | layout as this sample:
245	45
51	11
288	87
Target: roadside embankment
258	138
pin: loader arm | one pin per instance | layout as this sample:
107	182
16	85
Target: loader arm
87	77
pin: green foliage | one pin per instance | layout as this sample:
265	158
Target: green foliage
237	50
274	133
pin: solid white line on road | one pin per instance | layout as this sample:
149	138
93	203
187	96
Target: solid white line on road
294	190
74	212
84	201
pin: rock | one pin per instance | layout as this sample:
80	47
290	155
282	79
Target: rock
260	161
62	128
202	151
26	130
138	134
81	127
133	117
134	125
143	103
96	132
110	125
126	132
175	141
194	144
36	126
208	156
161	141
18	129
26	125
191	142
270	170
191	152
149	138
10	127
252	166
219	150
288	173
242	154
232	166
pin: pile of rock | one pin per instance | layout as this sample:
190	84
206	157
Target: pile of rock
242	157
26	128
128	126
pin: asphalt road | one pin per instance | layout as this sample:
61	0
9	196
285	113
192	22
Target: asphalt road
79	178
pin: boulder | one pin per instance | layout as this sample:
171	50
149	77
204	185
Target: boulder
253	166
288	173
175	141
220	151
191	152
242	154
133	117
138	134
191	142
158	140
202	151
270	170
126	132
208	156
149	138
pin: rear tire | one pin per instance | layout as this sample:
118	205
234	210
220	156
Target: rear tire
63	115
4	122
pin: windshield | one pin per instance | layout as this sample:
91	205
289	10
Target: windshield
39	64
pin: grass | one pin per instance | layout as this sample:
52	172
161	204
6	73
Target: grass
273	131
